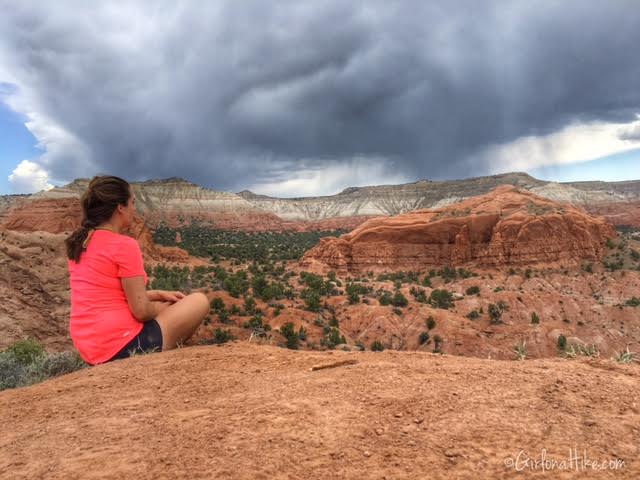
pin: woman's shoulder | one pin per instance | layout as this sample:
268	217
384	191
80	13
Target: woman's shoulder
116	240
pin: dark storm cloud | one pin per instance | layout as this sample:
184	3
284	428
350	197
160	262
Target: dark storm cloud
229	94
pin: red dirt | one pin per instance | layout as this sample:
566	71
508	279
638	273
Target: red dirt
258	412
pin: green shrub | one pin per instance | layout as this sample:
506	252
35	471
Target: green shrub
377	346
473	315
562	342
423	338
520	350
302	333
61	363
311	299
625	357
419	294
250	305
430	322
496	311
354	290
224	317
385	299
26	351
398	278
573	351
333	338
437	344
257	323
290	334
217	304
633	302
26	362
219	336
236	284
535	319
474	290
399	300
441	299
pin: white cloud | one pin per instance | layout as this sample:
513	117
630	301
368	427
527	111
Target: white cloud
29	177
332	179
572	144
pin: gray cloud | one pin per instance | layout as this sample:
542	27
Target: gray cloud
233	94
630	133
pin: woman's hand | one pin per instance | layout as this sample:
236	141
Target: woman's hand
164	296
160	306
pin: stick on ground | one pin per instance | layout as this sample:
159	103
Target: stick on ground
334	365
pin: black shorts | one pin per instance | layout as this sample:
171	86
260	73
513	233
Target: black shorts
148	340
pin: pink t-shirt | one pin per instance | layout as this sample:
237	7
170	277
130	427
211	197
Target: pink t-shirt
101	321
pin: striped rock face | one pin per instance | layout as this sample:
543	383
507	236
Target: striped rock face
507	226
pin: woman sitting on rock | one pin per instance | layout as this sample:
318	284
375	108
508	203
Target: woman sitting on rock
112	315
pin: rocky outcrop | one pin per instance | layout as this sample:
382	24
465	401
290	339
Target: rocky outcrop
34	288
53	215
8	202
63	215
151	252
508	226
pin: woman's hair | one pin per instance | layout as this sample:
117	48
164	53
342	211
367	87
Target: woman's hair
98	203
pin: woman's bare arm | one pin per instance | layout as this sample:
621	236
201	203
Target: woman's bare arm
141	307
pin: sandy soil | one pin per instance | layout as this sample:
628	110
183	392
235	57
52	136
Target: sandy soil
260	412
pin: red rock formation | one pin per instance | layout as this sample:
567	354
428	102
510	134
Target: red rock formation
53	215
34	289
504	227
62	215
150	250
622	214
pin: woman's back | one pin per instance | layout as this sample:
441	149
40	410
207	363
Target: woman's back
101	320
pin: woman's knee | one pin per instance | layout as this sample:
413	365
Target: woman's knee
200	301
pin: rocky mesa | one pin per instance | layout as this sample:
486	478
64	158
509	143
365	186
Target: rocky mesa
507	226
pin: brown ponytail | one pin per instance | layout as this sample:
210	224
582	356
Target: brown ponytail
98	203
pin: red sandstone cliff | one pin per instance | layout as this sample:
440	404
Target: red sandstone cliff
59	215
507	226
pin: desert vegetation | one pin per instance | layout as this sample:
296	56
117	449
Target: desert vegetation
26	362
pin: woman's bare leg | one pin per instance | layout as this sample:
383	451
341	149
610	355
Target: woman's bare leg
180	320
161	306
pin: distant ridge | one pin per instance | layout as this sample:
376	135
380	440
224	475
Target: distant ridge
619	202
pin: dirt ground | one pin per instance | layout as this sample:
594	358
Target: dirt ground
260	412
